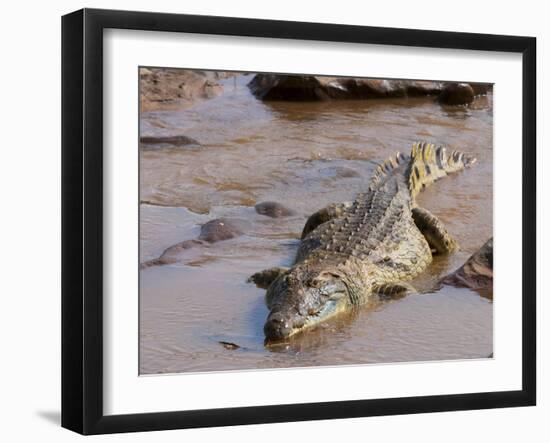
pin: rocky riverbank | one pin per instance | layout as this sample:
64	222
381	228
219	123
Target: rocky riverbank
317	88
164	88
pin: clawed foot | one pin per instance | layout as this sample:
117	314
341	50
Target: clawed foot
264	278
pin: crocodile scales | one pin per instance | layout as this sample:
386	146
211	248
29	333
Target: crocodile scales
373	245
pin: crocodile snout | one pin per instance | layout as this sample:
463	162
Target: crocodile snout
277	327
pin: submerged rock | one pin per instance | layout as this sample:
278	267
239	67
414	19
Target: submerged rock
456	94
339	172
213	231
220	229
273	209
174	140
229	345
171	254
477	272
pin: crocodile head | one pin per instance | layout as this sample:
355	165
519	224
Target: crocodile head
303	298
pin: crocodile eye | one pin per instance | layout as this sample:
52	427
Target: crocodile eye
315	283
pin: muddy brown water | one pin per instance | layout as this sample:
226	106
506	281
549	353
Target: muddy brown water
304	155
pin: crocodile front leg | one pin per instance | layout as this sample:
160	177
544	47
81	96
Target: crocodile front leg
263	279
434	231
395	289
329	212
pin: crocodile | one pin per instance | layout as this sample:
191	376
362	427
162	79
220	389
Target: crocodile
350	252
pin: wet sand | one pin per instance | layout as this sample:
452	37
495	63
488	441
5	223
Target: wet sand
305	155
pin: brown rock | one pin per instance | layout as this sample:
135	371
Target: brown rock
167	88
373	88
273	209
213	231
219	229
456	94
309	87
481	88
171	255
422	88
287	87
477	272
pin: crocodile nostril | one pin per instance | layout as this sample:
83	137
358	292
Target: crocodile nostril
277	327
276	318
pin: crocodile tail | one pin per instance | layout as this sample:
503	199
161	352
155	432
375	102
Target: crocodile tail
430	162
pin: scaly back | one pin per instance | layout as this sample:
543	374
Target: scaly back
377	213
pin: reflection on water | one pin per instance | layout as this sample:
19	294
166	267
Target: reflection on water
305	155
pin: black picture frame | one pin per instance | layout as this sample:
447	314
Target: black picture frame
82	219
